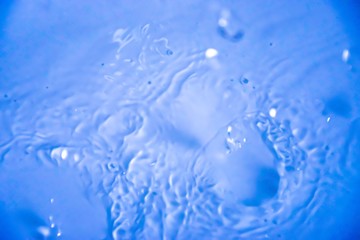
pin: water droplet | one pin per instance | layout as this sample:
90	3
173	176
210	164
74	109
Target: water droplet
113	167
169	52
44	231
76	157
345	55
272	112
234	139
243	80
64	154
211	52
229	26
229	129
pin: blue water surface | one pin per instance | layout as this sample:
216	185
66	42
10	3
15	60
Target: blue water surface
169	119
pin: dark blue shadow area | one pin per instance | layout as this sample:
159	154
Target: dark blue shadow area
5	8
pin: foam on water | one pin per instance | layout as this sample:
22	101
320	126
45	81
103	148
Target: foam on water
190	120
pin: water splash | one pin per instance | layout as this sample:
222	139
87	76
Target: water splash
163	130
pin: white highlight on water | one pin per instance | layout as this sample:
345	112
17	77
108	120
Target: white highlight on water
64	154
45	231
211	52
272	112
223	22
345	55
76	157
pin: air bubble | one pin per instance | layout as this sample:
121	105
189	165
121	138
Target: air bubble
243	80
230	26
162	47
235	138
169	52
113	167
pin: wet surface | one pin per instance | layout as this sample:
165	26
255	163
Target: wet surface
187	120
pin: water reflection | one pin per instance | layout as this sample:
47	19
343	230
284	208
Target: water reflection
164	120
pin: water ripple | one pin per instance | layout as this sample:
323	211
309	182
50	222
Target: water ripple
241	124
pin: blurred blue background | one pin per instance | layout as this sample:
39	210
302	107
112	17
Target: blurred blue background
165	119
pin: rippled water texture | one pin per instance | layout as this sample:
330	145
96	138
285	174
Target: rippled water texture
179	119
